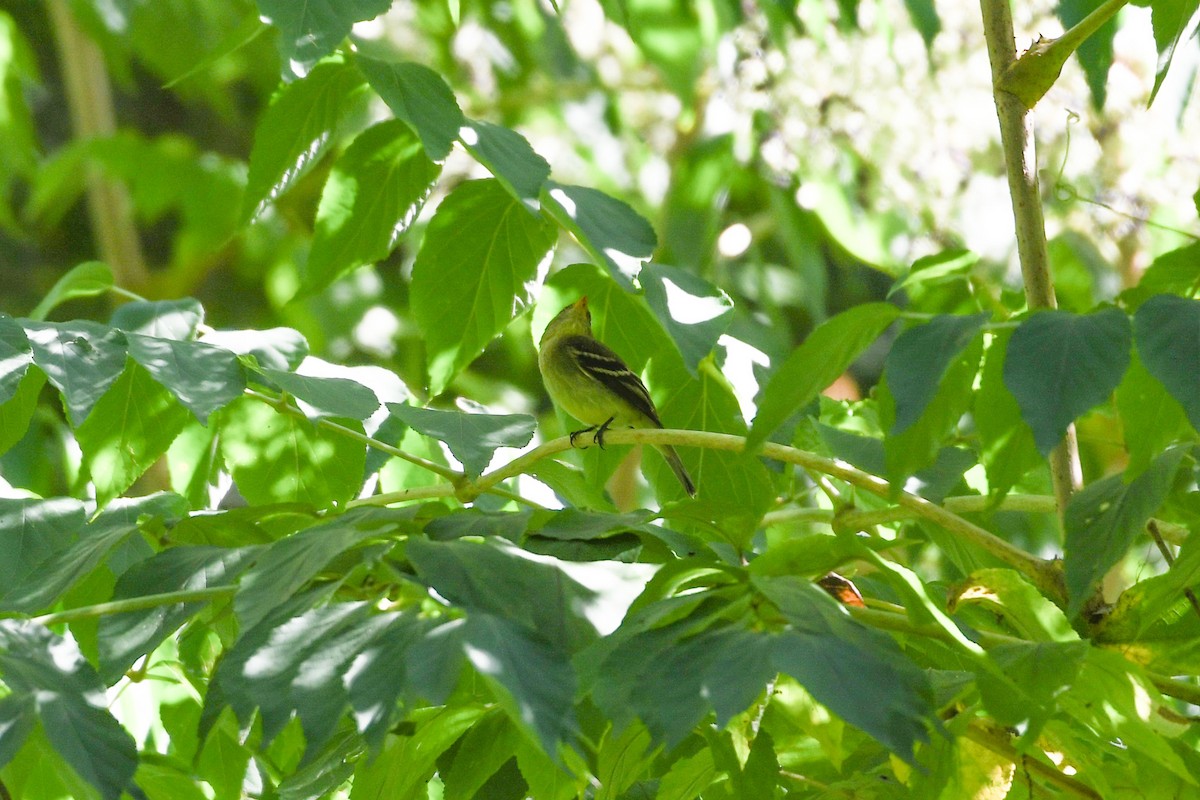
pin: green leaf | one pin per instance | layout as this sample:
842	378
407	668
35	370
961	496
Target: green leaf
944	267
85	280
818	362
168	782
15	357
918	360
613	233
290	563
1155	600
536	677
572	524
277	458
224	758
1113	697
1174	272
733	487
694	312
867	453
503	580
1009	451
134	423
372	195
406	764
166	175
53	576
1102	520
19	385
863	234
545	779
81	359
472	438
857	672
18	716
671	681
420	97
201	376
17	409
16	414
1095	54
1151	419
326	396
51	673
467	288
125	637
623	758
1167	329
688	777
311	30
274	348
192	463
810	555
1005	595
31	531
410	658
295	666
922	442
507	155
510	525
1020	687
1170	20
1059	365
671	37
925	19
760	776
297	129
164	319
254	672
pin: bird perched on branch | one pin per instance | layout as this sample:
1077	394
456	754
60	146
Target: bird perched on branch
591	383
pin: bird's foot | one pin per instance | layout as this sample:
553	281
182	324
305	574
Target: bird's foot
598	436
580	432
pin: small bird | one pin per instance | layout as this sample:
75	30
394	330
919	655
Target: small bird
591	383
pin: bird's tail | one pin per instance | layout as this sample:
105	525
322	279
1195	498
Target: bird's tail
672	459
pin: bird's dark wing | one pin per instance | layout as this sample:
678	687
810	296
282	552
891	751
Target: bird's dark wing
606	367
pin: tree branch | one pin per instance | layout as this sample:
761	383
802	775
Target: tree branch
1016	136
89	98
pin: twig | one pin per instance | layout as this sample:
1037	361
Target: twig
998	743
136	604
282	405
1032	75
1152	529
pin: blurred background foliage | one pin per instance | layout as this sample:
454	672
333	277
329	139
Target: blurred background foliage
801	156
805	157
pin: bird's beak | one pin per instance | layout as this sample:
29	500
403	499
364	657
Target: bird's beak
581	304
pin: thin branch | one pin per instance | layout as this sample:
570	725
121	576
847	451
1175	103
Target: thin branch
1016	137
136	604
898	621
1045	575
959	504
282	405
1032	75
1169	557
998	742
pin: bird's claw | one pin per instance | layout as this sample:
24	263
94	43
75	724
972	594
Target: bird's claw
597	437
